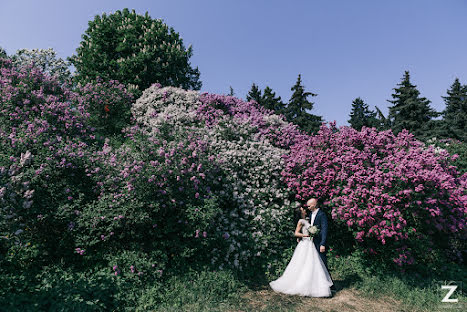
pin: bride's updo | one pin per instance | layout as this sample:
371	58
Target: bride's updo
298	213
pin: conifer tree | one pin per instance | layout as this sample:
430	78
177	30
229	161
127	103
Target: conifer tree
454	124
254	94
361	115
381	121
270	101
3	53
296	110
410	111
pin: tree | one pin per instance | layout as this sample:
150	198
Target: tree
454	123
231	92
46	60
296	110
135	50
270	101
361	115
3	53
254	94
381	121
409	110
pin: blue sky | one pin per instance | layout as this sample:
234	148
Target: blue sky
343	49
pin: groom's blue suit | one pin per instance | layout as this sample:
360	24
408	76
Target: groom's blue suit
321	221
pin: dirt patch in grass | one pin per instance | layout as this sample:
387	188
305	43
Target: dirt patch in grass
344	300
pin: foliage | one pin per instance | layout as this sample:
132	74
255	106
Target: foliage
135	50
238	136
361	115
3	53
46	60
194	291
417	289
108	104
196	184
454	123
457	149
296	111
44	142
270	101
382	122
267	99
410	111
399	199
254	94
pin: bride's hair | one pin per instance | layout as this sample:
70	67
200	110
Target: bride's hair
298	214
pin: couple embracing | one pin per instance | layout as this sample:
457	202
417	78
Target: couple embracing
307	272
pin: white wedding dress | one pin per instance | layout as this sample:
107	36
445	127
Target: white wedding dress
306	274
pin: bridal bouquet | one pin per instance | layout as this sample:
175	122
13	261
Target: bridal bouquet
312	230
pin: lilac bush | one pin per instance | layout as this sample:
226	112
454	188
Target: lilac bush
246	143
151	193
108	105
53	126
44	59
44	142
397	196
203	178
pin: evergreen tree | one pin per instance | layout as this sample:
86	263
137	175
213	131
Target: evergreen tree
361	115
381	122
3	53
135	50
231	93
410	111
270	101
296	110
454	124
254	94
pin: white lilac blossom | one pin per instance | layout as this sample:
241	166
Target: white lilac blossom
250	161
45	59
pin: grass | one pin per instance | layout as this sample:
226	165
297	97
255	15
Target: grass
358	290
223	291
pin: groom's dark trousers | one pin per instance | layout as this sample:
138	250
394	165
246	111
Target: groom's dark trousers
321	221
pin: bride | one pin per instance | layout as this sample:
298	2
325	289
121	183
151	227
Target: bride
306	274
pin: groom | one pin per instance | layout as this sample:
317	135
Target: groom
318	218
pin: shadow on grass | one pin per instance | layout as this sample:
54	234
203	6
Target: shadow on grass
348	281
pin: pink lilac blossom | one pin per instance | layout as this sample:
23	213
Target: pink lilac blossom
382	186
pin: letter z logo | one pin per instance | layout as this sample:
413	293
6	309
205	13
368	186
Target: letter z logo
452	289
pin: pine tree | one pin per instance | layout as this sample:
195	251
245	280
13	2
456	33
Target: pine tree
361	115
454	124
297	107
3	53
270	101
231	93
410	111
381	122
254	94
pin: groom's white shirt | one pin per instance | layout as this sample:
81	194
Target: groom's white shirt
313	216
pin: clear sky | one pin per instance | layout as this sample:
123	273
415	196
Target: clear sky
343	49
